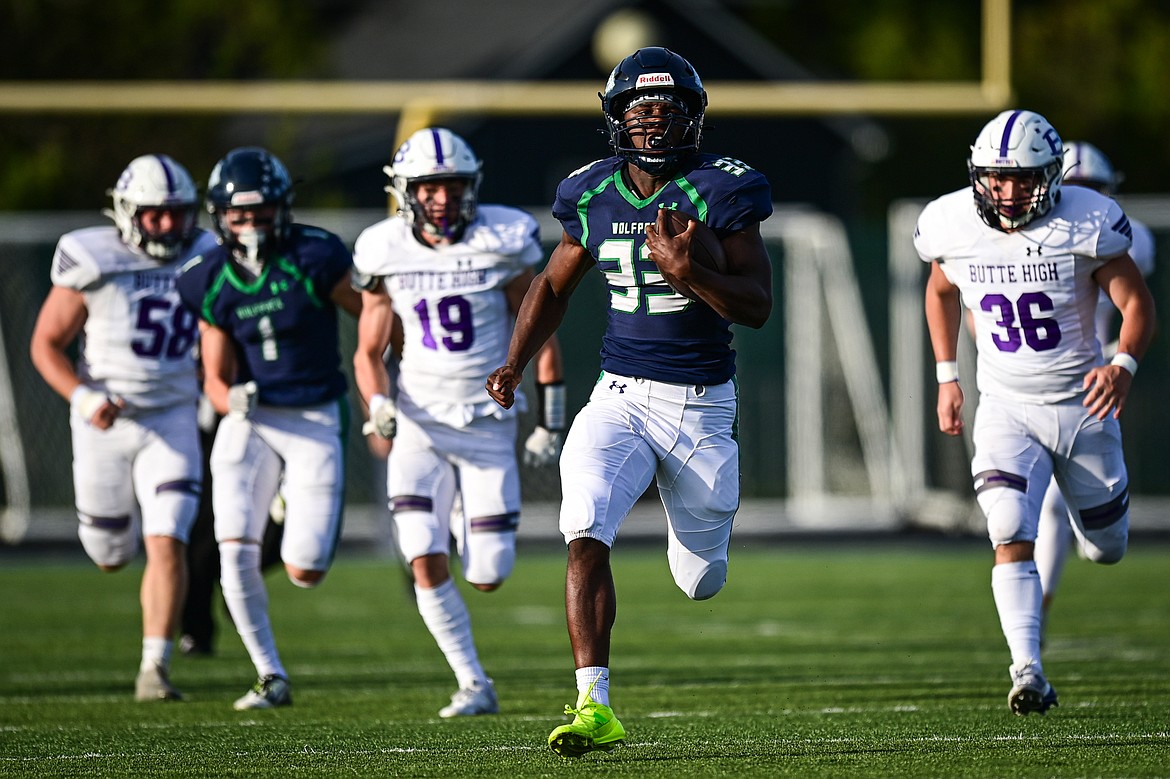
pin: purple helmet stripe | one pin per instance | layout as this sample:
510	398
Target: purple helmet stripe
1007	133
171	186
438	146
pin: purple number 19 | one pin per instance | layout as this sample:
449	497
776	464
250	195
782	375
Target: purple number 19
454	314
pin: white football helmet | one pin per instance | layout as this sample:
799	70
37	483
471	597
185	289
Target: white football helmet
430	154
1021	145
1087	166
155	181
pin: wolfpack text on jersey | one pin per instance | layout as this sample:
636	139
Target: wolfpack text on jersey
653	332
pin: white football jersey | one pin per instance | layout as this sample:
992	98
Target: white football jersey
450	298
1031	291
138	338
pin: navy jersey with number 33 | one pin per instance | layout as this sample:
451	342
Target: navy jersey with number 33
284	323
653	332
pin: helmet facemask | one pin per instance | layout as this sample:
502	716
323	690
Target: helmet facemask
446	224
1030	199
669	136
253	233
155	182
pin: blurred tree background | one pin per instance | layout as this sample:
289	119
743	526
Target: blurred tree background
1096	69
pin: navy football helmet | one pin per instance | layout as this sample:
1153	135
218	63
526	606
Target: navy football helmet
655	74
250	177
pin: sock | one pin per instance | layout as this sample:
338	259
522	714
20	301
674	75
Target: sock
247	602
156	651
445	615
1016	587
597	678
1053	541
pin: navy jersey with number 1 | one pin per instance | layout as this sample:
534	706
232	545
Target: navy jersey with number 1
652	331
283	323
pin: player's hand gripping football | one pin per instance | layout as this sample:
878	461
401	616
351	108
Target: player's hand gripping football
671	253
383	420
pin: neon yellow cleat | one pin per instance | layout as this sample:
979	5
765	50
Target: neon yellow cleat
594	726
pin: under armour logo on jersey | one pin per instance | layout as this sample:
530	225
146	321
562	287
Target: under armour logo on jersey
621	388
1037	250
672	207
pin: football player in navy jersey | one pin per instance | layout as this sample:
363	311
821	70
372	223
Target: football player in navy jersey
666	405
267	298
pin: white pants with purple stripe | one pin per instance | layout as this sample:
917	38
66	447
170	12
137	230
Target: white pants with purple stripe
432	461
149	461
1019	447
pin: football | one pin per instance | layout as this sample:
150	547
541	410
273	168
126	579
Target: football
705	247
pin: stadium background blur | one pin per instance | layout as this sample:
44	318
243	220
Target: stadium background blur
1095	70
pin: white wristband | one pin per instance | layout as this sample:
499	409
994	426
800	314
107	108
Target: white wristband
946	371
1126	361
85	401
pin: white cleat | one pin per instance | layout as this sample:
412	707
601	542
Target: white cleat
267	693
153	685
1031	692
480	698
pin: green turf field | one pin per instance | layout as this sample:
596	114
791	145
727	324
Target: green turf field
829	659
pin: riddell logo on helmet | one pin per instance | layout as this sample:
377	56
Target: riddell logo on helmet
654	80
250	198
